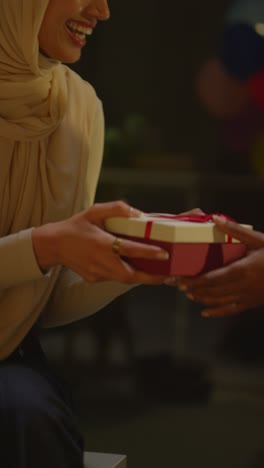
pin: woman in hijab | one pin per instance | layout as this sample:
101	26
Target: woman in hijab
58	264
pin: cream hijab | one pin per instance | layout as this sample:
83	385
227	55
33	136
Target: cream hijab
33	93
46	118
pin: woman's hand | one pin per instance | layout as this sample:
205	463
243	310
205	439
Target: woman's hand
233	288
81	244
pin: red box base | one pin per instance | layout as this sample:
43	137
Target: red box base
188	259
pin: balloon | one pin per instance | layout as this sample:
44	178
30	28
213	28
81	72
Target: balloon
222	95
240	133
255	86
241	50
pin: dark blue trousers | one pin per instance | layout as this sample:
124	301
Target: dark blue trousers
37	422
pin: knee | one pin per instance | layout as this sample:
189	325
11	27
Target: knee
35	419
29	400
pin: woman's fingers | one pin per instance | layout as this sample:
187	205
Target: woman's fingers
105	256
119	270
123	271
132	249
100	211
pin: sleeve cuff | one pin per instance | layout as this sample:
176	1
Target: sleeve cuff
18	261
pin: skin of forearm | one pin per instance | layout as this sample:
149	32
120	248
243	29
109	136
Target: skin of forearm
45	240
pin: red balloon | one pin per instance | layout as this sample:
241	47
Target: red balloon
240	133
255	87
221	94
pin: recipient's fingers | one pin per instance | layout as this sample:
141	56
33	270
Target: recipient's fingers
219	277
217	291
212	300
253	239
223	311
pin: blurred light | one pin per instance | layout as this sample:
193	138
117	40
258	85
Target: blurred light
259	28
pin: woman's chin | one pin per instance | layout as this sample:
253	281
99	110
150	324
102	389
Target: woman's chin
70	56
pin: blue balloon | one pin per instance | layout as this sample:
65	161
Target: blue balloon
241	50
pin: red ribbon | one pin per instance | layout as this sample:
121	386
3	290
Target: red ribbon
194	218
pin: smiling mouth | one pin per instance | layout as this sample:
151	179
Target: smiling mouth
80	31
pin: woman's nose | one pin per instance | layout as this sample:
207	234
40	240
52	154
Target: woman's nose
99	9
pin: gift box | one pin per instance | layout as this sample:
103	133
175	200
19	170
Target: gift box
194	243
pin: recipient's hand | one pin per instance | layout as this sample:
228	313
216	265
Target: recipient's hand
236	287
81	244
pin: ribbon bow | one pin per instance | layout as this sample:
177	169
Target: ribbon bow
193	218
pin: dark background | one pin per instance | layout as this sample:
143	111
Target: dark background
145	59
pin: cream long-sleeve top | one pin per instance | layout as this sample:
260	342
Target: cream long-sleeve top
51	146
46	187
